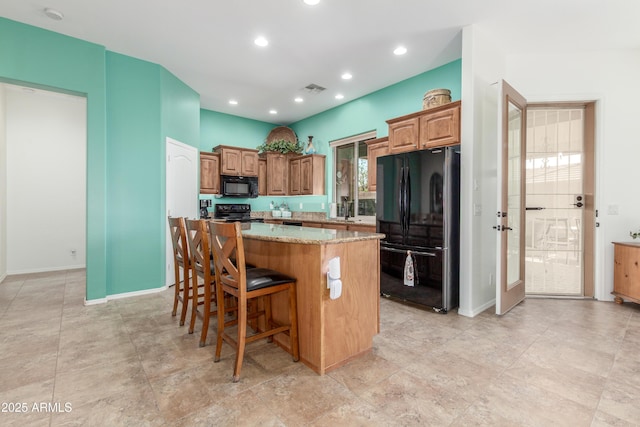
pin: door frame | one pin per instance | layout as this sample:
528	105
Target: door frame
589	186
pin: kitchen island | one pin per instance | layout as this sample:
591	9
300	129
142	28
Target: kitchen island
331	331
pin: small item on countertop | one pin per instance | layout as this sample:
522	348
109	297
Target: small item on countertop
408	270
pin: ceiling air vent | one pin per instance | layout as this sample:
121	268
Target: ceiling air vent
314	88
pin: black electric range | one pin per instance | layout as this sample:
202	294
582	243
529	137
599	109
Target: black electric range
232	212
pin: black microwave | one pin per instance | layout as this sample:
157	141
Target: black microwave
239	186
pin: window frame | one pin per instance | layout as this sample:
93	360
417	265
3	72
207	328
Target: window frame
353	141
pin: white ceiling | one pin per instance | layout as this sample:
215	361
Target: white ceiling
208	44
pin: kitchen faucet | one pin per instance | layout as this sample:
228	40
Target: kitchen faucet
345	207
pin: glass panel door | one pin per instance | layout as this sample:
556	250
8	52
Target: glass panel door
555	201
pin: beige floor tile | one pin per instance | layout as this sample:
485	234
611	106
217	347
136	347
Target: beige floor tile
83	386
411	400
135	407
18	404
244	409
621	400
19	370
181	394
299	396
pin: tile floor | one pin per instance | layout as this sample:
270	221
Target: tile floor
127	362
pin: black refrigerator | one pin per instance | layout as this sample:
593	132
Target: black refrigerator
418	210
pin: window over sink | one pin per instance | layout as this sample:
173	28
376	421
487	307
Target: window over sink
350	179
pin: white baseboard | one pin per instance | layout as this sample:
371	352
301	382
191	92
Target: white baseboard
475	311
4	276
47	269
124	295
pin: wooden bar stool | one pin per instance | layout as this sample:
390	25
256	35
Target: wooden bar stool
202	267
182	261
233	278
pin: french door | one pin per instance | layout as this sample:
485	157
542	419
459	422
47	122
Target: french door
510	224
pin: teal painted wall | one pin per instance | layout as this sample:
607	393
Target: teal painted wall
180	110
226	129
134	174
35	57
132	105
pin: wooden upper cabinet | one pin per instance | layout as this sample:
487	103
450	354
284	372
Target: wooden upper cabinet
440	128
375	148
435	127
277	174
403	135
237	161
295	179
209	173
249	162
312	170
262	177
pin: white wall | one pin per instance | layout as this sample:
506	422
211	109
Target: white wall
46	180
3	187
482	66
610	78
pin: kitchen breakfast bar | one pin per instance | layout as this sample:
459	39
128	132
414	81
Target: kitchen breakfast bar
331	331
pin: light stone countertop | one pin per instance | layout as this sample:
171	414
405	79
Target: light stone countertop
320	217
303	235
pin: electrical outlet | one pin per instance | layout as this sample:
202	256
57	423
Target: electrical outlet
613	210
322	205
300	205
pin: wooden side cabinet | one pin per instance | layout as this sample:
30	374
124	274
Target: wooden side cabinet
209	173
626	272
312	174
375	148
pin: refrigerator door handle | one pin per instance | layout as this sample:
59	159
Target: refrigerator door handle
401	199
407	200
401	251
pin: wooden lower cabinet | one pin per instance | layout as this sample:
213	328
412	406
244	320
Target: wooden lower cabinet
626	272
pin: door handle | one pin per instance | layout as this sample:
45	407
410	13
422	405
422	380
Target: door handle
578	205
534	208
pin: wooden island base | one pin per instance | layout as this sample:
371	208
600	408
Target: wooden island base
331	332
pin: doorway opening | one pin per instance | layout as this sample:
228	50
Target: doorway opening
560	216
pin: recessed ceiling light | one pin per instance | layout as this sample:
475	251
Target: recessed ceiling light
339	96
273	112
347	76
233	102
53	14
400	50
298	99
261	41
311	2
